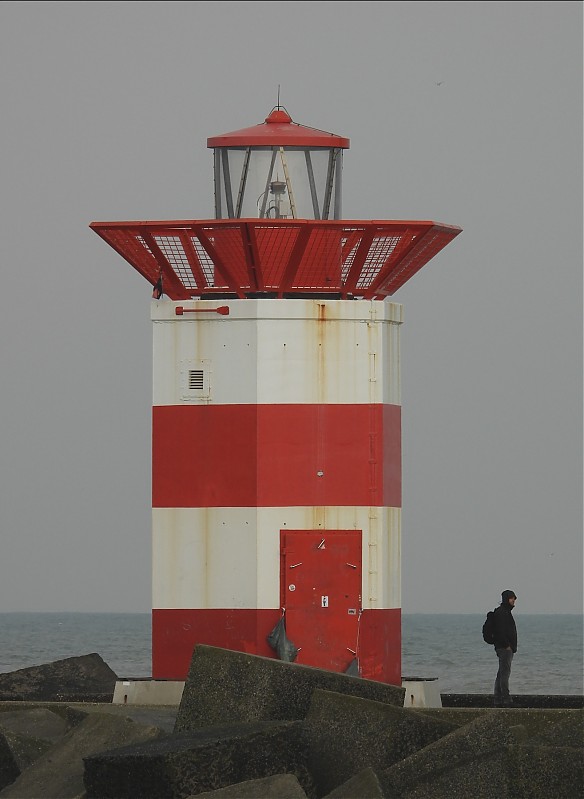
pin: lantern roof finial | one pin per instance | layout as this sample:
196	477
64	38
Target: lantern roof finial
278	114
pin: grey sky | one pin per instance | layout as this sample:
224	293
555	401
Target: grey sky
468	113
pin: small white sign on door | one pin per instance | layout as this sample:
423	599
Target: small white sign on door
325	601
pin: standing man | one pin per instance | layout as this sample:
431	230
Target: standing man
505	647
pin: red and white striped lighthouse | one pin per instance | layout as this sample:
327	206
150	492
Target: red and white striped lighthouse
276	444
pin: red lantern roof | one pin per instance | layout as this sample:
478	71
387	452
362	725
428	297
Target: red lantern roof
278	130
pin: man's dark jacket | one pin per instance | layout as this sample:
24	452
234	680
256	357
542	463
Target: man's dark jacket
505	629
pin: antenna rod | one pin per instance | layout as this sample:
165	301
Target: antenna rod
278	96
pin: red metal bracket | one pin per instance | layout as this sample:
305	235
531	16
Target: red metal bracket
222	309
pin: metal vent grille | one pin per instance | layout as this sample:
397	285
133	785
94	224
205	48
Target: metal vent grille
196	380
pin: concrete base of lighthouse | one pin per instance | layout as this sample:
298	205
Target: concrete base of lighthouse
148	692
420	692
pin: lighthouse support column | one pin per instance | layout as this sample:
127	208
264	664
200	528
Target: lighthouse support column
277	481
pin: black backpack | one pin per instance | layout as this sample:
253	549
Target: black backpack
489	628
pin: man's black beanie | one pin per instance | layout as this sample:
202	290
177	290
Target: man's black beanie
506	596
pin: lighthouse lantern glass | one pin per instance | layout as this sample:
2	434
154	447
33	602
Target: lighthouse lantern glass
278	182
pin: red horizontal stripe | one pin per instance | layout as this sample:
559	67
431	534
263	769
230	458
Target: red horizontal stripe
380	645
276	455
175	633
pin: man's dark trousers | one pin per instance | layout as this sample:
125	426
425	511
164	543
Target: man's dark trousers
502	697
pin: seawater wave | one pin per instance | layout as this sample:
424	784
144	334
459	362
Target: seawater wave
447	647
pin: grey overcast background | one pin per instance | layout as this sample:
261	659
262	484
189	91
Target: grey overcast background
468	113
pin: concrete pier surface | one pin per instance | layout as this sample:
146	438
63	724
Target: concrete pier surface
247	726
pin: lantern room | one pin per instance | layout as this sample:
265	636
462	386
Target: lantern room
278	170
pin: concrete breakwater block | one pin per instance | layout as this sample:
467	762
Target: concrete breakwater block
347	734
537	722
479	739
567	729
58	773
225	686
542	772
185	764
482	778
511	772
280	786
33	722
364	785
26	734
77	679
486	757
17	753
9	769
164	718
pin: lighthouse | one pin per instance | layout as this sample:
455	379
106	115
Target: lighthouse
276	411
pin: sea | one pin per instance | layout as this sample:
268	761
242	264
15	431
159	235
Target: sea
445	647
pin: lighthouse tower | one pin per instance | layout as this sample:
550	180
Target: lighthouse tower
276	420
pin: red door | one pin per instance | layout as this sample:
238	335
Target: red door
320	586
